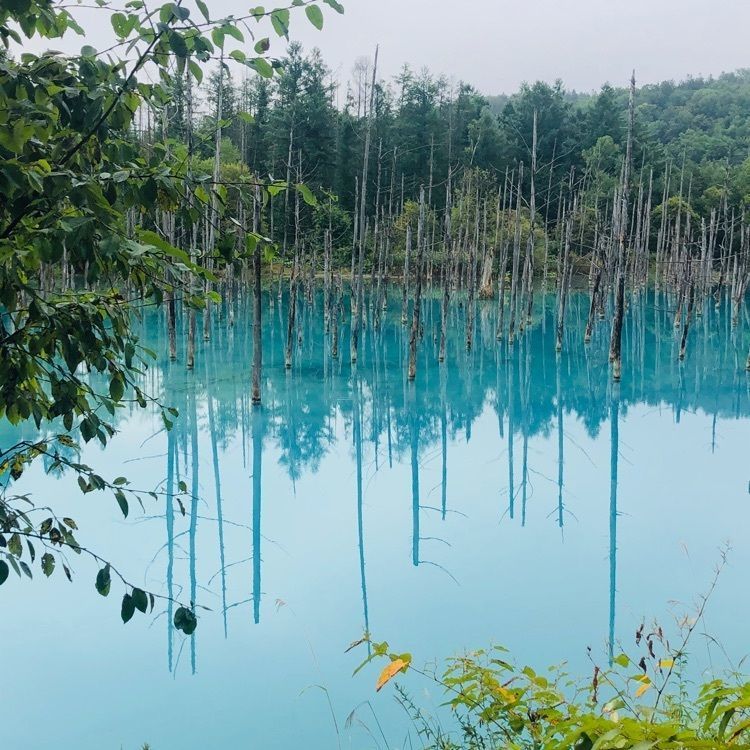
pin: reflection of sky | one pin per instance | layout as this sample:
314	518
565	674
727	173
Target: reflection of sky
483	577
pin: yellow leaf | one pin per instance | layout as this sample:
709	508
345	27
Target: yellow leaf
390	672
642	689
666	663
506	694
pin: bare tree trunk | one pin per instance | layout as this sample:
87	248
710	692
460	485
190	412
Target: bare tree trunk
405	289
292	313
257	304
486	288
471	297
503	242
615	351
293	284
447	264
595	291
516	260
358	305
327	281
564	283
415	322
213	222
288	182
335	323
190	354
688	317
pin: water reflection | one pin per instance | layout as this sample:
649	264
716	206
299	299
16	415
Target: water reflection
533	391
511	494
321	404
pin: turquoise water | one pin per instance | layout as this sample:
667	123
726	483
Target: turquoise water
509	496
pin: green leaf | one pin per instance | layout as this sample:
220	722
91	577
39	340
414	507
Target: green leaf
122	502
251	241
14	545
167	12
128	608
622	660
337	6
121	24
196	71
117	388
203	8
234	32
314	16
280	22
15	138
4	572
87	430
140	600
48	564
185	620
103	581
725	719
177	44
217	35
306	194
152	238
261	66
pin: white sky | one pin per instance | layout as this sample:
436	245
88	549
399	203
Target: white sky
497	44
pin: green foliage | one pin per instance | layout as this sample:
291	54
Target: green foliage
82	248
641	701
185	620
496	704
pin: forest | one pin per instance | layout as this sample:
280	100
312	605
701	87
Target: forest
225	266
422	123
385	158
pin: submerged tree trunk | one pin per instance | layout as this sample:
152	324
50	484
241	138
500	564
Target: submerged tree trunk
592	307
447	265
415	321
336	312
615	351
688	316
564	281
516	260
257	304
405	289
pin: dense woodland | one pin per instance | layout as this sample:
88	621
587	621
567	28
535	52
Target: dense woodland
422	124
690	150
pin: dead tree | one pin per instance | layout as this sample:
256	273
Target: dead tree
415	321
615	349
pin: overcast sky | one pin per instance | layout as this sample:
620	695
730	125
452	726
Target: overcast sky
497	44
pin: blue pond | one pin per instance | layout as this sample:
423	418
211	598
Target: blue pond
510	496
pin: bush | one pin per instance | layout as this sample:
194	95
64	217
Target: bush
640	701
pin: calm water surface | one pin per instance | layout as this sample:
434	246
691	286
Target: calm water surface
510	496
